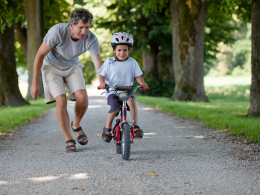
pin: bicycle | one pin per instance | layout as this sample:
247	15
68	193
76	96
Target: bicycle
123	131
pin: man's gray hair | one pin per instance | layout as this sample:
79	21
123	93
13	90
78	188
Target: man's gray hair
80	14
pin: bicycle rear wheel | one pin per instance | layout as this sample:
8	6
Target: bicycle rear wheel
125	142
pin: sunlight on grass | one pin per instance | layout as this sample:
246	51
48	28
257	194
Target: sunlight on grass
227	110
11	118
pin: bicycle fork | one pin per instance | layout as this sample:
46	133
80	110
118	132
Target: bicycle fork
119	124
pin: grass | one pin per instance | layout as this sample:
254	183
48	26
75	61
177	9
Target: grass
11	118
226	110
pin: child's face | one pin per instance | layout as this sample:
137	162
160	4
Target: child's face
122	52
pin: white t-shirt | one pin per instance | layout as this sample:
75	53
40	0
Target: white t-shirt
65	51
120	73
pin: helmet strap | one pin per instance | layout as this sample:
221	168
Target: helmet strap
120	60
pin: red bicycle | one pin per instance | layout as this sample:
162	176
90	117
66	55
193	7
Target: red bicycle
123	131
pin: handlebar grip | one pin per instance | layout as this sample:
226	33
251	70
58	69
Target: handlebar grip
148	88
98	87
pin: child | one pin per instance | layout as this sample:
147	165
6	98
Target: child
120	70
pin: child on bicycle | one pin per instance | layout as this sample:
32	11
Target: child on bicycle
120	70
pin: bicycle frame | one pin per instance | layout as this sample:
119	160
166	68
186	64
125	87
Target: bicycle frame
123	119
117	130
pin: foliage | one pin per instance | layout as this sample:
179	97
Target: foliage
11	118
159	88
226	111
10	11
55	12
19	57
89	71
220	27
149	31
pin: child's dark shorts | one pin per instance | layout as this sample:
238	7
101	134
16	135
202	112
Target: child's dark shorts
114	103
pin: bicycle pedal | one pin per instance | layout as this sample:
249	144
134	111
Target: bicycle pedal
138	137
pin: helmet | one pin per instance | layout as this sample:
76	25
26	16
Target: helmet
122	38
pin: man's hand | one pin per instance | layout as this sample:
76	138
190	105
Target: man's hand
145	86
35	91
102	85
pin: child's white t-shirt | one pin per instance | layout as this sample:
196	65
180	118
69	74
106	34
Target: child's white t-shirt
120	73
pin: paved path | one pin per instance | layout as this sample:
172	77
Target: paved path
175	156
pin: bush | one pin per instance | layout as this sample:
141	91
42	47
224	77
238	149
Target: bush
89	72
161	88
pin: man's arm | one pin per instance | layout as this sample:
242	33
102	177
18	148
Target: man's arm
42	51
96	59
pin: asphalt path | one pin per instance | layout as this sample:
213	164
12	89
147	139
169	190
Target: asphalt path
176	156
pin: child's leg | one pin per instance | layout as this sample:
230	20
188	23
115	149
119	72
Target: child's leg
110	118
133	112
133	109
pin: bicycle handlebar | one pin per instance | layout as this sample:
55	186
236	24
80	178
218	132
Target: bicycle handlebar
115	90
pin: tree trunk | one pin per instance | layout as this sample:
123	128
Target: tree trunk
254	109
148	64
188	22
21	37
155	66
165	67
34	18
10	94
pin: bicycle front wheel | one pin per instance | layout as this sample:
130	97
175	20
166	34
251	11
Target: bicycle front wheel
125	141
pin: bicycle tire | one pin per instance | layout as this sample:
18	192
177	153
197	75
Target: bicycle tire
125	141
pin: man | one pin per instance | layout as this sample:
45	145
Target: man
57	58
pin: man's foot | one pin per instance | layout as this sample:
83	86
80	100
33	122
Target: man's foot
138	132
70	146
106	135
82	139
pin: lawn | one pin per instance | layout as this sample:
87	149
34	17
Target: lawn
226	110
11	118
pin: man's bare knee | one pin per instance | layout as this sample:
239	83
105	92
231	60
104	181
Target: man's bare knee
61	101
81	97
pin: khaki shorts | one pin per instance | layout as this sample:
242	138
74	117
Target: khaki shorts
56	78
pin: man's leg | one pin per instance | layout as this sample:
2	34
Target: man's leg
80	109
63	116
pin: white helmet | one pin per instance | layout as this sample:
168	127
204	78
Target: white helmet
122	38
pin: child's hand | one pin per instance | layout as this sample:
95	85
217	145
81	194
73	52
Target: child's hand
145	86
102	85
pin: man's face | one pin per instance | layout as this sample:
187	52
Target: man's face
79	31
122	52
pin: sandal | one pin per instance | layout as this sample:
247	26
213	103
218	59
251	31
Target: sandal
70	148
139	132
80	137
107	138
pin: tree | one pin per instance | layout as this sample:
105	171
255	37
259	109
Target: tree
188	22
9	91
254	109
34	18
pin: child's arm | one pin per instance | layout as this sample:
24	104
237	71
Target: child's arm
140	80
102	81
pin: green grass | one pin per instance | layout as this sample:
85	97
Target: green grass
11	118
226	110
